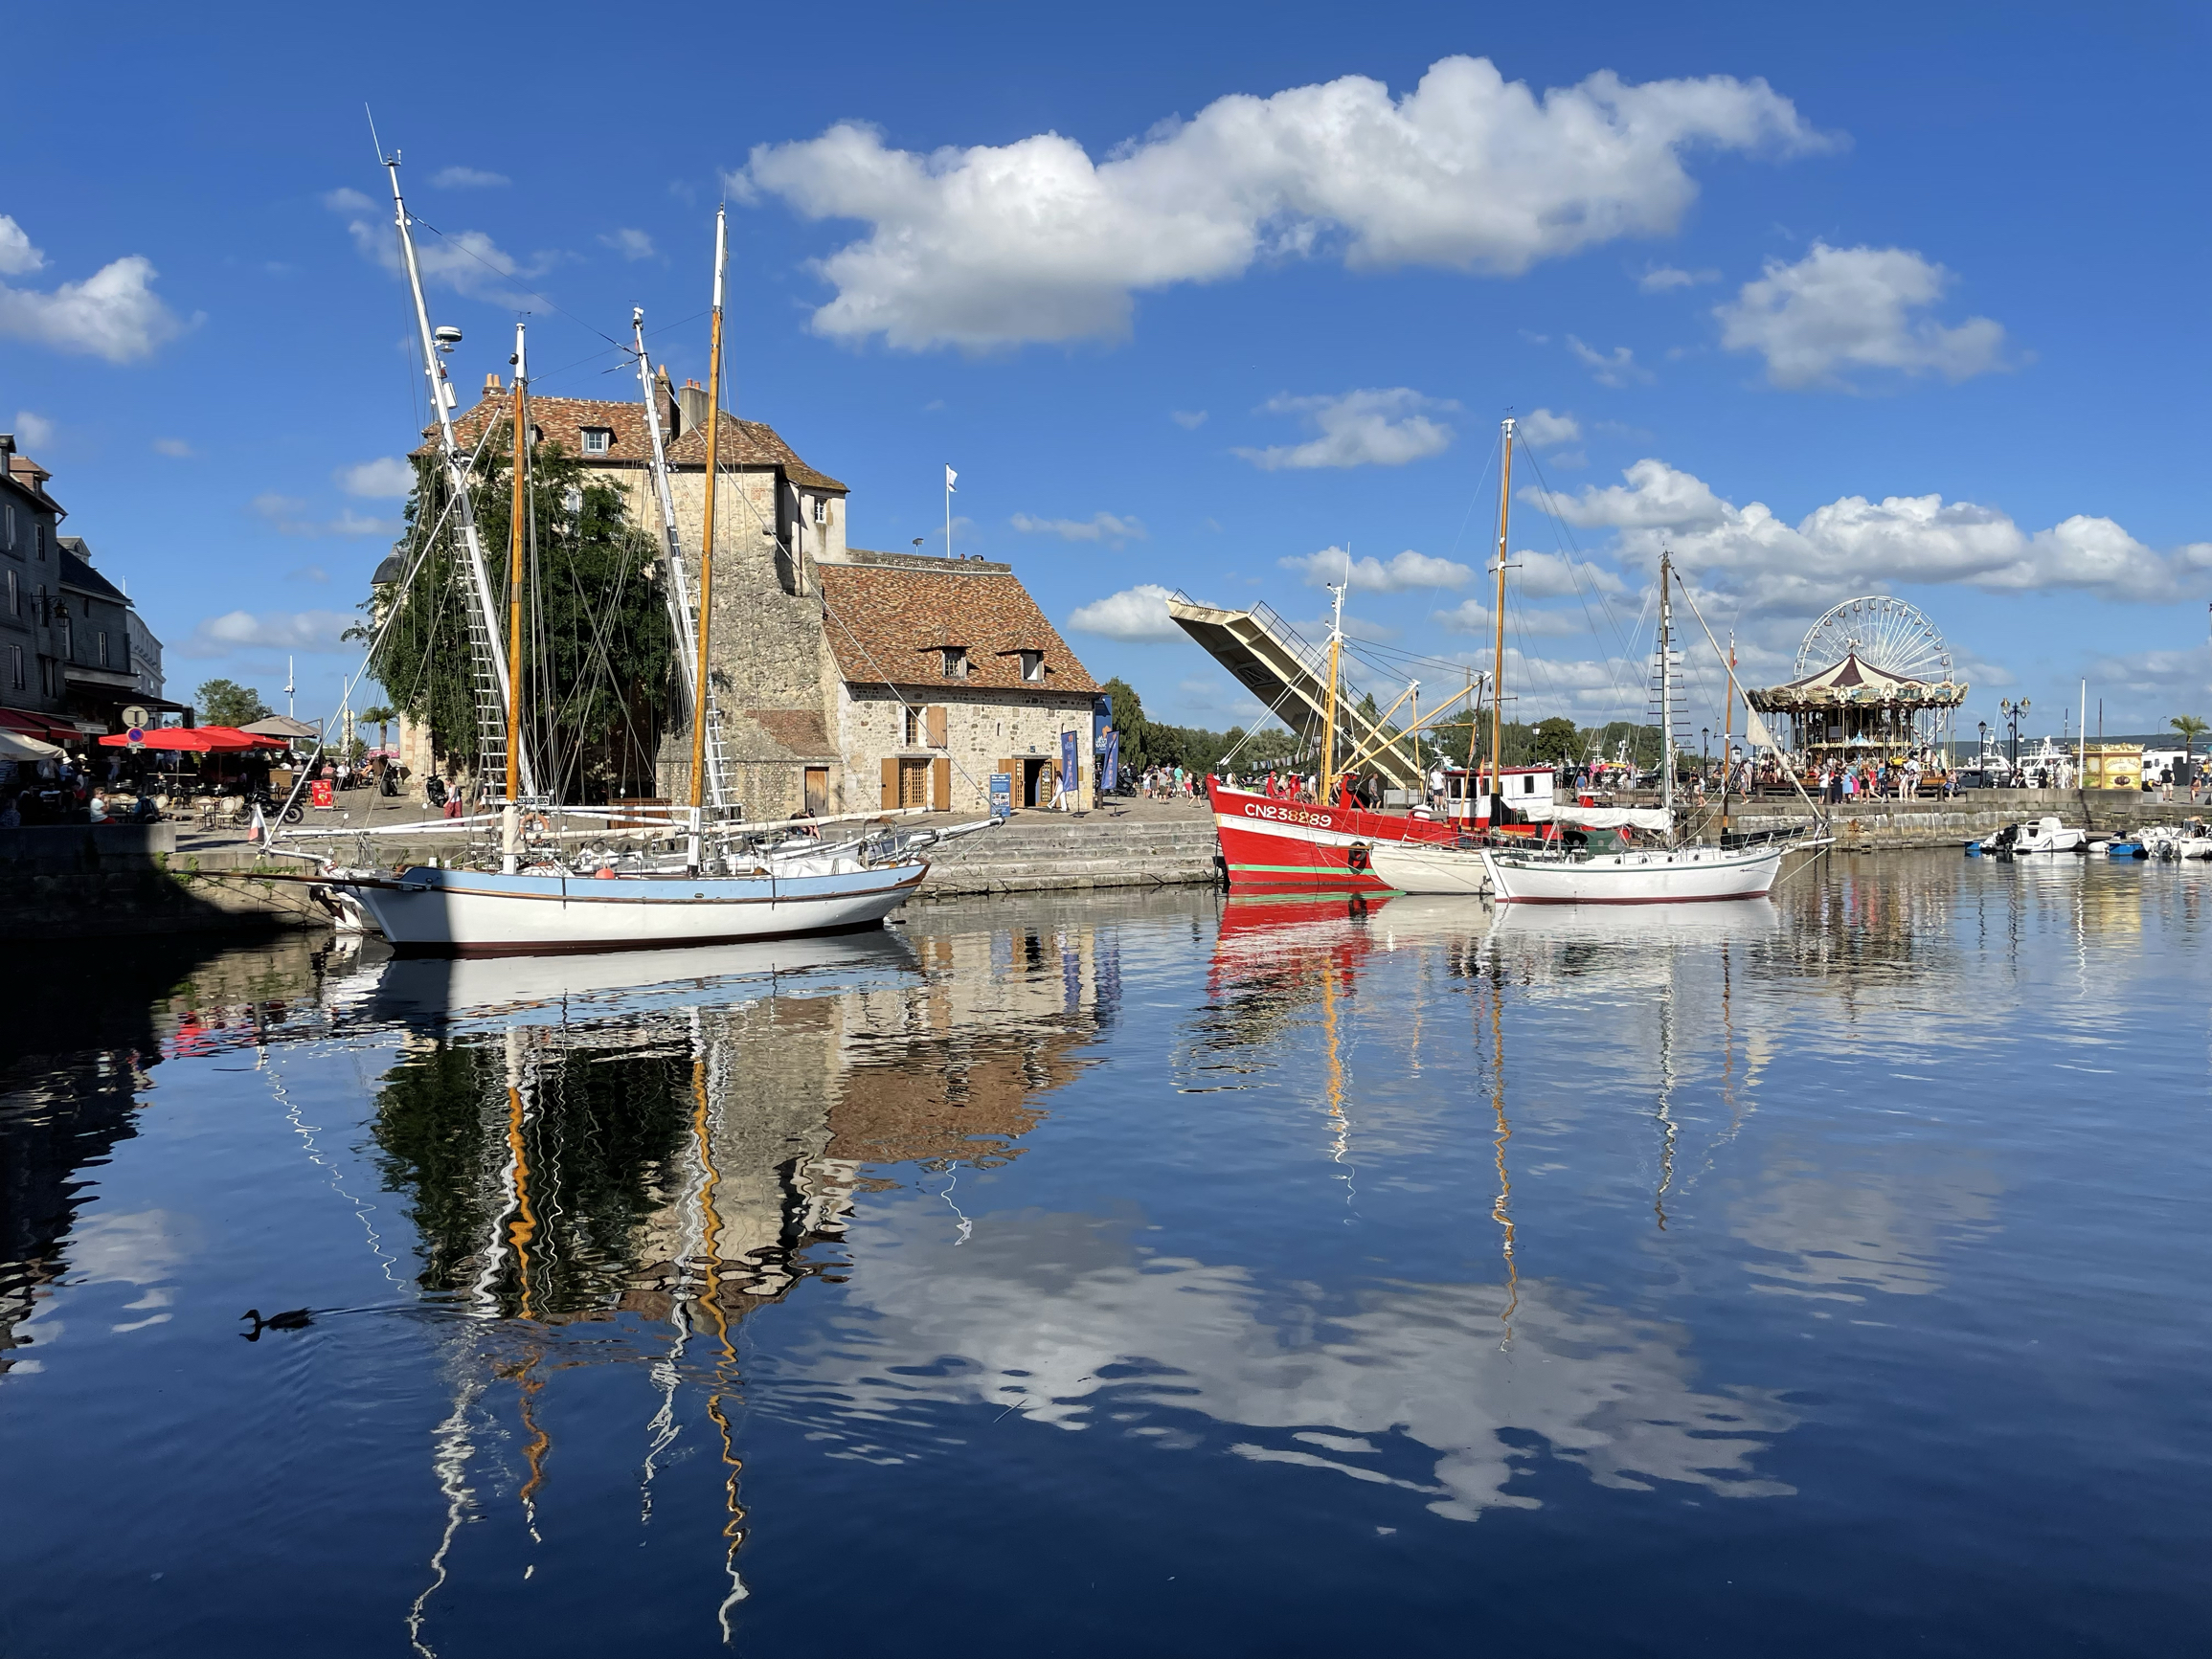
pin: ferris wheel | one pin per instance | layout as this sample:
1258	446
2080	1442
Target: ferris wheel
1886	633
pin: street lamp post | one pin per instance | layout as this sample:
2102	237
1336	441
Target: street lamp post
2012	713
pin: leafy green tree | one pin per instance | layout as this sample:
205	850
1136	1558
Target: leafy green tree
598	651
1556	739
226	703
1129	721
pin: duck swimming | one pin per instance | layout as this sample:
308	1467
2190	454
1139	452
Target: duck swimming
292	1319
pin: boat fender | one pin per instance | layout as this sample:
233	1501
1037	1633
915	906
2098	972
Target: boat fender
602	874
1359	857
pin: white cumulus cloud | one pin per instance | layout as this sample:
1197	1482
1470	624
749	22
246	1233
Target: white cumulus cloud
175	448
114	313
288	516
1375	427
1190	420
17	257
1542	429
1616	367
1474	617
459	179
996	245
1842	309
35	430
469	262
1137	615
631	244
1661	278
1405	570
387	477
267	631
1098	527
1852	543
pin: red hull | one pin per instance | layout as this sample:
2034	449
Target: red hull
1293	846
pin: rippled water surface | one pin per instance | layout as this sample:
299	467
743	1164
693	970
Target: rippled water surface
1153	1276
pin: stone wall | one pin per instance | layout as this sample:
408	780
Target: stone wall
766	649
111	881
981	728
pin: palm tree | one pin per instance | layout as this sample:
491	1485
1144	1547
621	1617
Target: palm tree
384	717
2191	728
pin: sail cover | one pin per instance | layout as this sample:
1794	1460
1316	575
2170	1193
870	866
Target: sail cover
1643	818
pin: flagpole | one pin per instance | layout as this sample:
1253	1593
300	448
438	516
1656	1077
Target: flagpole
950	474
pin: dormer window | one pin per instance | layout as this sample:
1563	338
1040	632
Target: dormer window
821	510
1033	665
599	440
536	436
955	658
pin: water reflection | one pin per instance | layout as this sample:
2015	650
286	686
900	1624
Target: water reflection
1484	1213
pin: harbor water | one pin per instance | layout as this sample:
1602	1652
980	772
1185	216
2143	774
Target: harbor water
1163	1275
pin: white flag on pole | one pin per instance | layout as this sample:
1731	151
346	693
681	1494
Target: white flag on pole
950	476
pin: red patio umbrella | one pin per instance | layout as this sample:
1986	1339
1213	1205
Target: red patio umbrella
198	739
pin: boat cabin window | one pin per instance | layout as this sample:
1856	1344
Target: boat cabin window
1529	784
1032	665
599	440
955	661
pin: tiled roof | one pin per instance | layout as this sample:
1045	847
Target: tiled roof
28	477
744	443
76	572
562	420
801	731
891	624
748	444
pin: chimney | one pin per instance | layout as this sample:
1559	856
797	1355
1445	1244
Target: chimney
7	448
690	407
491	385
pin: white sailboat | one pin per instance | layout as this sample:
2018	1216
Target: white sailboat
715	894
1555	873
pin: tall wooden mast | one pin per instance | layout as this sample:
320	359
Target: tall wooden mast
1498	662
515	555
707	527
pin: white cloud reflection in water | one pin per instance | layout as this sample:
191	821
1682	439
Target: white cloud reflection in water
1037	1311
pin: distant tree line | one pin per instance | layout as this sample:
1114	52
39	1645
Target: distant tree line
1557	740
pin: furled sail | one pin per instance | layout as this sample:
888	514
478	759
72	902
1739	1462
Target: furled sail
1655	818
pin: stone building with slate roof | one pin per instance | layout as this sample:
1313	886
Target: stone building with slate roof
830	697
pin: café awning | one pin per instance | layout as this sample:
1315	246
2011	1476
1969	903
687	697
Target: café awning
46	728
198	740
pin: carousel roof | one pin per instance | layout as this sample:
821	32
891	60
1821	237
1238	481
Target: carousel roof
1854	681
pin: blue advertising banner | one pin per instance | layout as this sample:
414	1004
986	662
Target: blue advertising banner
1069	775
1110	769
1001	794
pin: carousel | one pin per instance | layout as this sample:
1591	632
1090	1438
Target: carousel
1874	683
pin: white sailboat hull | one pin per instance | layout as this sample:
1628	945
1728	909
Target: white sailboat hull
1687	874
1415	867
472	913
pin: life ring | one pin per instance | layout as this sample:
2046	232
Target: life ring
1359	857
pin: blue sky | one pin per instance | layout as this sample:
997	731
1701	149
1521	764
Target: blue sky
1907	300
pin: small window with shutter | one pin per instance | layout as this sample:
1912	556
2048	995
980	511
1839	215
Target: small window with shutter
599	440
1032	665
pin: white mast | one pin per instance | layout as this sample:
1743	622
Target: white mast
1666	688
486	633
679	586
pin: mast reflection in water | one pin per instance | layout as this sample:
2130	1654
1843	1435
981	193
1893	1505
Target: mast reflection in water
1131	1252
